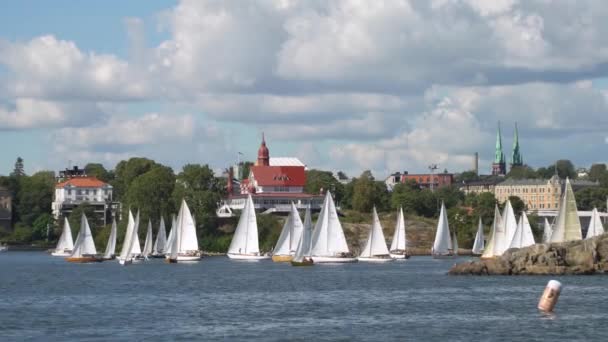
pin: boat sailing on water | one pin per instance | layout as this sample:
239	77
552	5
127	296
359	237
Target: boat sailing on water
84	247
547	230
478	245
128	245
148	244
567	223
302	256
110	252
184	246
328	241
171	237
160	244
65	245
595	225
289	238
442	247
523	236
245	244
398	248
375	249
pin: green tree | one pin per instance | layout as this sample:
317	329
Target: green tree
405	195
364	192
517	204
522	172
76	214
317	180
462	223
126	172
35	196
466	176
450	195
597	172
19	170
40	226
244	168
589	198
151	193
97	170
564	168
484	207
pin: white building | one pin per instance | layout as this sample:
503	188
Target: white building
75	191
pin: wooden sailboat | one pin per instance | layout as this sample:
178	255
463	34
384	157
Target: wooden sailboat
442	246
289	238
185	243
523	236
302	256
595	225
148	244
126	253
567	224
547	230
110	252
375	249
65	245
160	244
478	245
398	248
84	248
245	244
328	241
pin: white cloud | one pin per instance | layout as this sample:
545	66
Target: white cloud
27	113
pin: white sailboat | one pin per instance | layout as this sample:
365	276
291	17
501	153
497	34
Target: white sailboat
510	226
245	244
303	256
128	244
111	246
567	224
547	232
442	247
523	236
185	243
147	251
595	225
289	238
479	244
84	247
171	237
65	245
160	244
328	241
375	249
398	248
454	243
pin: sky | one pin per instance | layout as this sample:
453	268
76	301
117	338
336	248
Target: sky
343	85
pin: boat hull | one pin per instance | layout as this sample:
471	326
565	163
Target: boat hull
125	261
375	260
183	258
332	260
302	263
109	258
61	254
399	256
83	260
282	258
247	257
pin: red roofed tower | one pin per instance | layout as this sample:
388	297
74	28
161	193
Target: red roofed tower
263	154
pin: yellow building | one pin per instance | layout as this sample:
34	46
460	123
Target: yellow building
537	194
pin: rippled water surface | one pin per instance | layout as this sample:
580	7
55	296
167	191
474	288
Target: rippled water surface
44	298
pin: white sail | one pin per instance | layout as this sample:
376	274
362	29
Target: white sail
188	242
595	225
567	224
65	243
496	234
148	242
375	244
478	245
510	226
84	242
455	243
547	232
305	243
245	239
523	236
171	237
136	249
399	242
443	241
290	234
111	246
161	239
127	245
328	237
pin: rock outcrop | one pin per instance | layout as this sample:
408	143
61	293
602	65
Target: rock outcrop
574	257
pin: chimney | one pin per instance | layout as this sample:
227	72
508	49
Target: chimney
476	163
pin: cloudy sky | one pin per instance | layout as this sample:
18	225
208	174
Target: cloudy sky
343	85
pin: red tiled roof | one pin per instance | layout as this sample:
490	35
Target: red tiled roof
279	175
82	182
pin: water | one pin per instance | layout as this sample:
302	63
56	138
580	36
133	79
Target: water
44	298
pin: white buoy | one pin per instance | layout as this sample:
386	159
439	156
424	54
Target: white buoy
550	296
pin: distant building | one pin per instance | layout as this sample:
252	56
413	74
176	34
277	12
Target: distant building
74	188
6	209
479	186
424	180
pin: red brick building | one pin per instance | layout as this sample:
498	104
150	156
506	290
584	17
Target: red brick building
424	180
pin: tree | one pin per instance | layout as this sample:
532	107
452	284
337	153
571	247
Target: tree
317	180
405	195
151	193
589	198
35	196
450	195
597	172
97	170
517	204
483	206
126	172
466	176
75	217
564	169
40	226
19	170
363	192
522	172
244	168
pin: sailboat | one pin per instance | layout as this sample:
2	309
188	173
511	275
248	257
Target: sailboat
245	244
479	243
442	247
160	244
595	225
375	249
171	237
567	224
185	242
496	236
328	241
126	254
523	236
289	238
399	244
510	226
302	256
547	232
84	248
454	243
147	251
65	245
111	246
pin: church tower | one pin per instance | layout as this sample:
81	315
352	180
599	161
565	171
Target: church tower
263	154
499	167
516	157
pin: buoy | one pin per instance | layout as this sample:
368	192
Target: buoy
550	296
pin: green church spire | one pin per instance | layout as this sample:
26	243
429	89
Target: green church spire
499	157
516	157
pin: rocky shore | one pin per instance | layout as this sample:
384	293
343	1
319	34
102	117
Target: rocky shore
568	258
